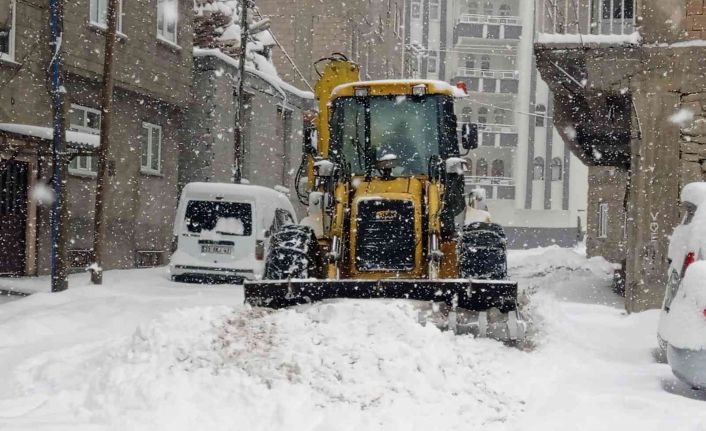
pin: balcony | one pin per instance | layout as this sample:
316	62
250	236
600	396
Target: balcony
487	27
586	22
502	188
496	135
488	81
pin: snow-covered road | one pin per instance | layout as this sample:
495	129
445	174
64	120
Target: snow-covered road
144	353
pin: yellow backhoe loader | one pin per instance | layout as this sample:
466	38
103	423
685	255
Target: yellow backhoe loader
384	186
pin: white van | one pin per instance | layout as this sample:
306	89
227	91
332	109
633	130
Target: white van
221	230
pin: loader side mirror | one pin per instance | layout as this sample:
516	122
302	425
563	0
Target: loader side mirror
469	136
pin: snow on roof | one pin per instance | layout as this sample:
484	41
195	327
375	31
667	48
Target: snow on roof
251	191
633	38
77	138
694	193
439	86
272	79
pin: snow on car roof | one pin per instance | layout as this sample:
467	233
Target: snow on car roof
239	191
694	193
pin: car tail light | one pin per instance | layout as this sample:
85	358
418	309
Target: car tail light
259	250
688	260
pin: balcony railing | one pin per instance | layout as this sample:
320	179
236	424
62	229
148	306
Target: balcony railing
586	21
488	73
489	19
495	187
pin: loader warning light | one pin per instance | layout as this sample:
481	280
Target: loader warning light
462	86
419	90
361	91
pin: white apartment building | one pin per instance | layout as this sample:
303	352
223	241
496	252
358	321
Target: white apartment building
535	187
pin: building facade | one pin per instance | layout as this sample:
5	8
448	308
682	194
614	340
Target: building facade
152	81
368	32
619	72
535	187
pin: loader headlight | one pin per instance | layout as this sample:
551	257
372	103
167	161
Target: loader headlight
419	90
361	91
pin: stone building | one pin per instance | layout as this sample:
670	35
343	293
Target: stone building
153	77
535	187
368	32
619	72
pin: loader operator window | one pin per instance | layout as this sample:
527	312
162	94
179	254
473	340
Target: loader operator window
367	129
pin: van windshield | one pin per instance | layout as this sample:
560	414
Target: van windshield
225	218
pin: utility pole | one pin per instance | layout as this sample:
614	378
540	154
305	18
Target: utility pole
59	276
99	221
239	144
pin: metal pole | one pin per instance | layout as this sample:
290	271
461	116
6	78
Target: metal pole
239	144
59	279
99	222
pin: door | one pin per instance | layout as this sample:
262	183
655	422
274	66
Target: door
13	216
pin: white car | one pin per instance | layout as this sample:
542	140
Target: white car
222	230
682	324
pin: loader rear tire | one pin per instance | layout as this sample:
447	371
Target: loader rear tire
482	252
294	254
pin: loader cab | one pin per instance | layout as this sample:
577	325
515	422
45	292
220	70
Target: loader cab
395	125
222	230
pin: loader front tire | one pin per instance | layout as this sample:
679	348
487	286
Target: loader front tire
482	251
293	254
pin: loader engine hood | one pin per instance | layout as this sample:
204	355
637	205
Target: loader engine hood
386	228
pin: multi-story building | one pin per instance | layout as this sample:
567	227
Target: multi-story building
535	187
619	71
152	80
368	32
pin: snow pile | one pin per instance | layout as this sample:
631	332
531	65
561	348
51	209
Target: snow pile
685	325
633	38
352	365
546	260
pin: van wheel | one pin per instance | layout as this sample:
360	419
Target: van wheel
294	253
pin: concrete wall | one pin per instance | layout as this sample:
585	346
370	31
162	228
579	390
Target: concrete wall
609	186
273	141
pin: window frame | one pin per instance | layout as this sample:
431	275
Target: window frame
541	114
416	10
10	55
93	4
603	214
147	145
160	35
556	163
91	162
434	5
432	59
538	163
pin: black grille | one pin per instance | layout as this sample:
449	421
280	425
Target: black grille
385	236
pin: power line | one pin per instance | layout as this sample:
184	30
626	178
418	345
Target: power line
284	51
531	114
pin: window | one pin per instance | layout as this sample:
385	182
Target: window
488	8
483	115
482	169
498	168
504	10
227	218
617	9
556	169
538	169
469	61
431	62
167	15
499	116
433	9
7	29
472	7
467	114
416	10
603	220
86	120
541	112
485	62
99	13
151	159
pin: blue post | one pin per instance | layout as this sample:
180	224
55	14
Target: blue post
58	277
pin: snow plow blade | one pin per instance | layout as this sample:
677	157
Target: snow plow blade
474	295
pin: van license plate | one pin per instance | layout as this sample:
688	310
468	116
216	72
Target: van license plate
216	249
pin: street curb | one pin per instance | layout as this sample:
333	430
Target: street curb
5	292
